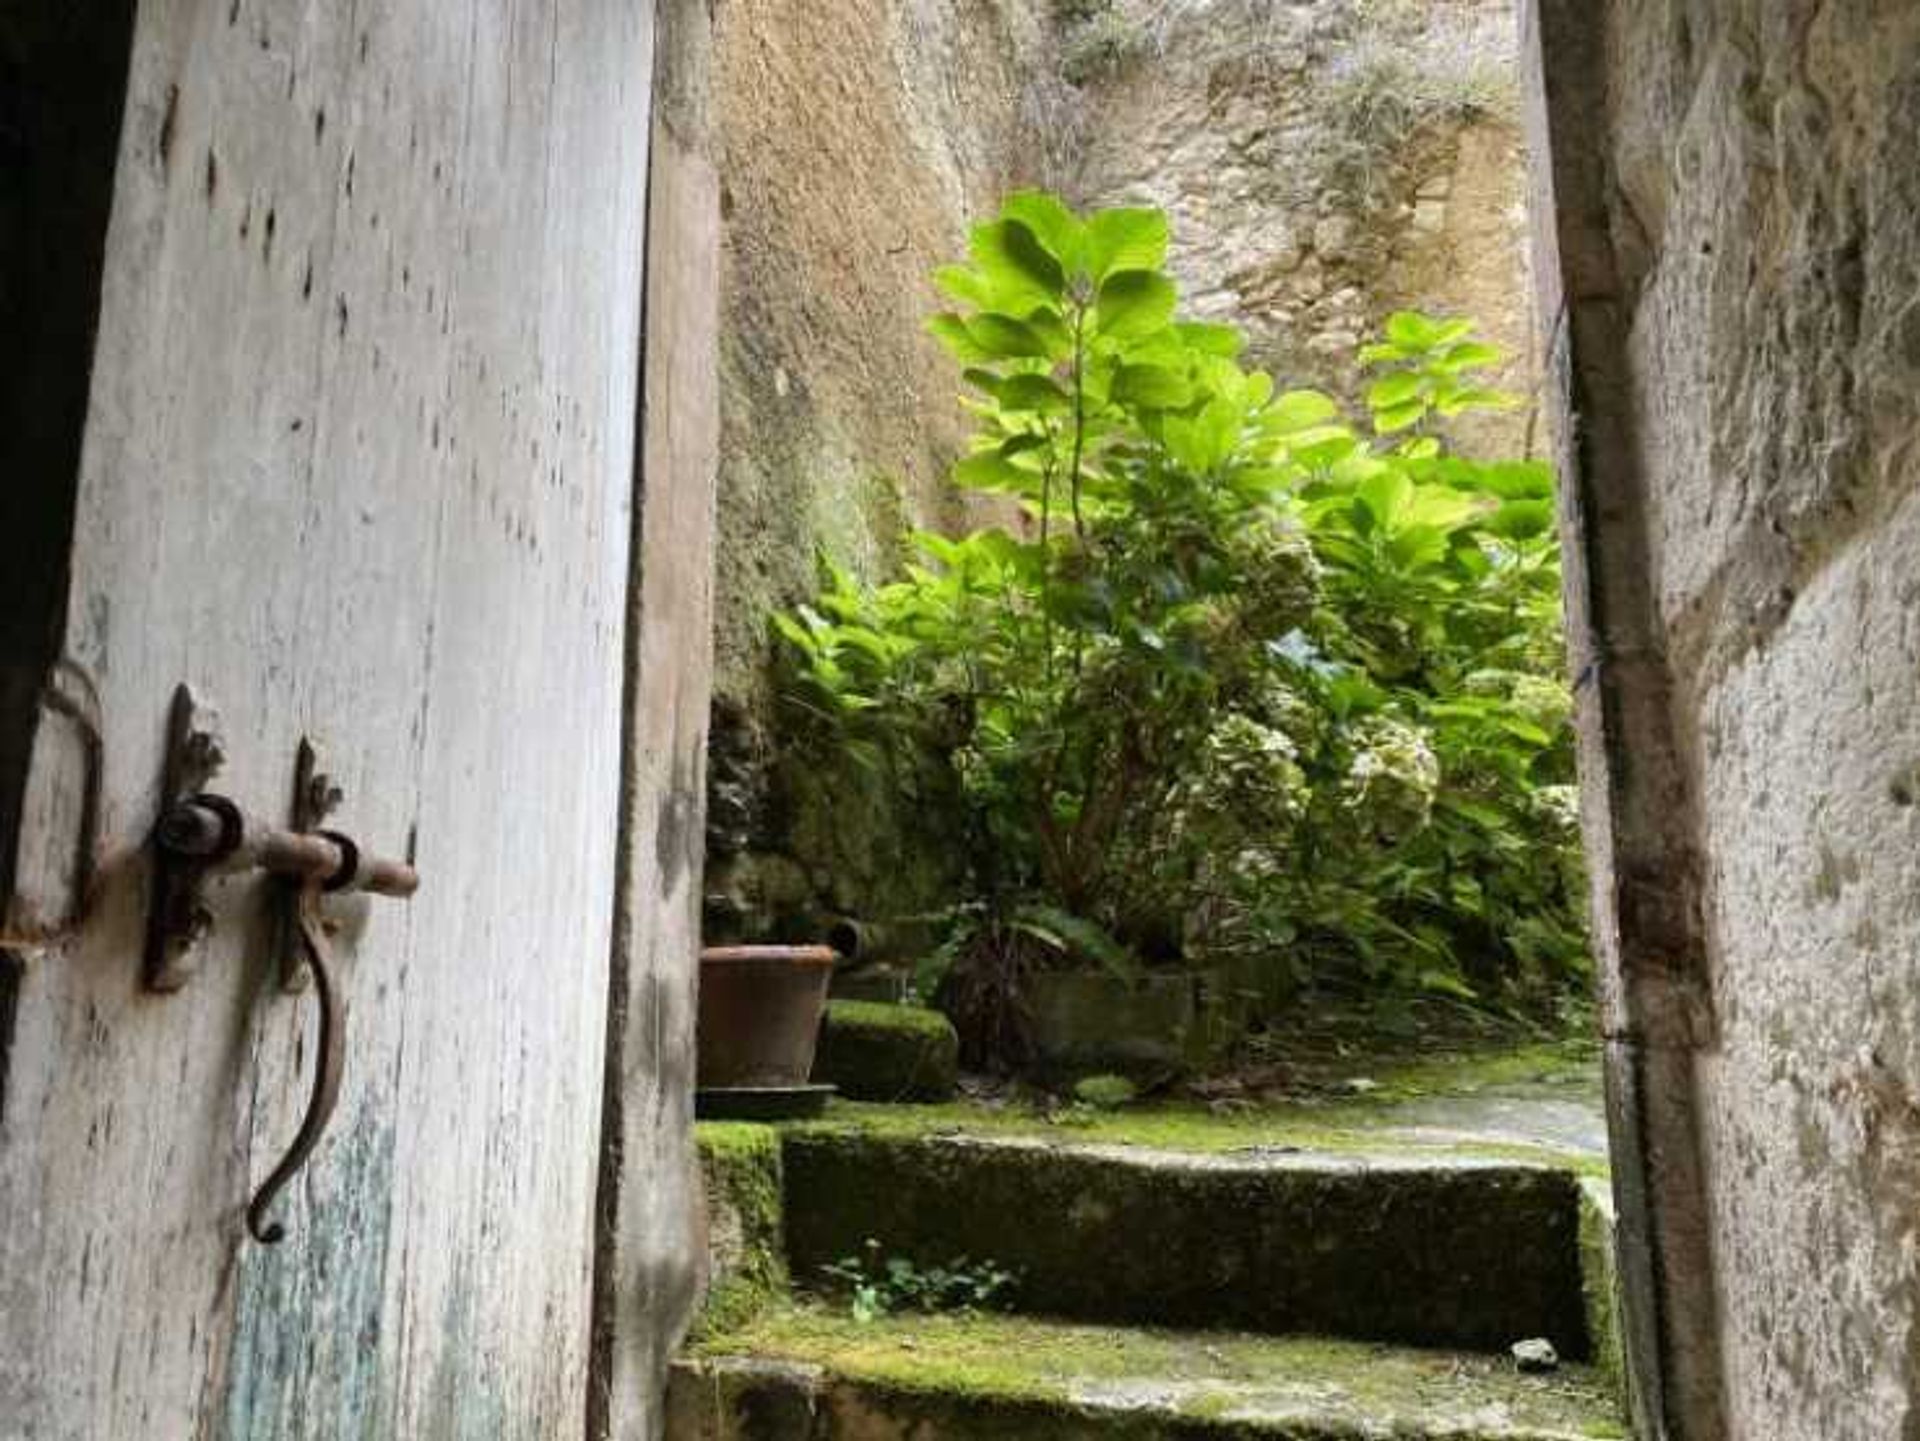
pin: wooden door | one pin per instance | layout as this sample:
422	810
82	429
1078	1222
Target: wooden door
356	464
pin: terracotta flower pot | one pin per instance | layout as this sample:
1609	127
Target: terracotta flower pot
760	1009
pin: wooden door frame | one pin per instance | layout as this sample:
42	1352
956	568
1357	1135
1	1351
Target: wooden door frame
649	1226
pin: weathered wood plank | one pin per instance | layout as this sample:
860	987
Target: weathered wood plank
647	1249
358	464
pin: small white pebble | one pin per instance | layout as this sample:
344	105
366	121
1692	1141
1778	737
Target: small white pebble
1535	1355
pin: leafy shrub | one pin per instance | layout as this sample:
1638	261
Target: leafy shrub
1249	682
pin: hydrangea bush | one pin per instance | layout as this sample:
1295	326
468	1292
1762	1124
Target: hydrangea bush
1246	681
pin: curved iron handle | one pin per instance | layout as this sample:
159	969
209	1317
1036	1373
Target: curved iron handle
327	1075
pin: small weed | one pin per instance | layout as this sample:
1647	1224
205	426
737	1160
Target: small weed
877	1284
1101	45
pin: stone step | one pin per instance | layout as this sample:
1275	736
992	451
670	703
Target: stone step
1475	1253
807	1375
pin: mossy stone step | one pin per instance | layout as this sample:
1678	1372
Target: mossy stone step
878	1051
1468	1253
807	1375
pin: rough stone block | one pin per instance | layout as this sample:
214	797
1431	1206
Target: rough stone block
806	1376
878	1052
1452	1253
746	1263
1086	1023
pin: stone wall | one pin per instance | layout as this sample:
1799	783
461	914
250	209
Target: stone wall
1737	244
1324	165
858	139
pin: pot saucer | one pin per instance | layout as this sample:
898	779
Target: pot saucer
761	1103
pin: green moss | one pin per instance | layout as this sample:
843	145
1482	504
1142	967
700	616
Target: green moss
1572	1062
747	1267
1600	1282
1321	1388
1373	1122
1355	1128
879	1052
877	841
1105	1093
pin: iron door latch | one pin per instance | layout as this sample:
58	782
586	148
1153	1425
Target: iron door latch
202	834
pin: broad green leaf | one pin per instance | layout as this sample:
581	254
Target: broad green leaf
1513	479
1441	506
1409	330
1394	390
1055	226
1353	469
1468	355
1479	812
1386	496
1001	549
1477	399
993	471
1033	393
1002	337
1220	424
1151	386
963	283
1209	339
982	380
795	632
1399	417
1521	519
952	332
1524	730
1296	410
938	546
870	641
1133	304
1321	444
1047	323
1417	544
1015	261
1125	239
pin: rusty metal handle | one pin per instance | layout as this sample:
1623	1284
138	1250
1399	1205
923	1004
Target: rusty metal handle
215	832
328	1073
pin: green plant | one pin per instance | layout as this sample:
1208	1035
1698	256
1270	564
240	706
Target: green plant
877	1284
1249	682
1404	66
1105	1093
1100	44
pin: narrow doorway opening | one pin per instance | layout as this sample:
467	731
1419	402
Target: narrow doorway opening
1142	711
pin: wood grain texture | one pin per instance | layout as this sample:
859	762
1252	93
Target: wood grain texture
649	1199
357	464
649	1182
